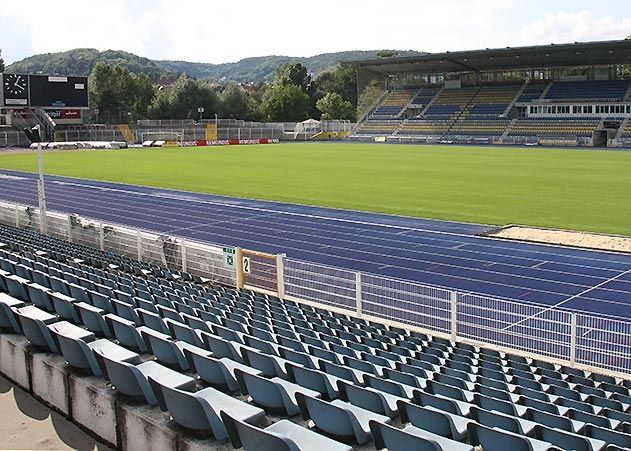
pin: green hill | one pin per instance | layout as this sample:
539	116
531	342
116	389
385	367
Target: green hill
81	62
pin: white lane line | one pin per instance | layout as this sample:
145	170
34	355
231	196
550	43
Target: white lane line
517	276
73	200
569	299
188	216
539	265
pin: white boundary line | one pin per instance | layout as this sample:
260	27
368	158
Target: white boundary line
568	299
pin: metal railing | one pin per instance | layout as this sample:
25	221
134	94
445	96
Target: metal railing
176	253
541	331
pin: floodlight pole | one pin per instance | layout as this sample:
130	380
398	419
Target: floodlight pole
41	193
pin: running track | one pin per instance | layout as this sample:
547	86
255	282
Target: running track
433	252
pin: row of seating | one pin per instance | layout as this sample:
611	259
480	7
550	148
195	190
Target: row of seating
554	127
283	355
612	90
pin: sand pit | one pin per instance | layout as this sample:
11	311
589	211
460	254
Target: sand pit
566	238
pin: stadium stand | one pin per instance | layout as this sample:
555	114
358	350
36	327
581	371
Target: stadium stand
255	369
508	95
599	90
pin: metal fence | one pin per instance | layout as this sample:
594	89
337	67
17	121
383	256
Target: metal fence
542	331
539	330
176	253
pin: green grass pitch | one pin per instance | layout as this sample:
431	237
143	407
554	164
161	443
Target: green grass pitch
559	188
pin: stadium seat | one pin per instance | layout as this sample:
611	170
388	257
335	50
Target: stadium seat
568	440
313	379
608	436
8	319
215	371
200	410
33	322
434	420
492	439
370	399
126	333
17	287
280	436
274	394
40	296
339	418
394	439
132	380
93	319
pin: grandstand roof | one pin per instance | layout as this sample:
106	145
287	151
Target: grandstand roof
533	57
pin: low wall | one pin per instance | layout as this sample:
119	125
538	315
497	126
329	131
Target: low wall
93	404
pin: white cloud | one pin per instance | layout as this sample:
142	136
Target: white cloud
216	32
563	27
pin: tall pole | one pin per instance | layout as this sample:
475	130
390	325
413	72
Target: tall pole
41	194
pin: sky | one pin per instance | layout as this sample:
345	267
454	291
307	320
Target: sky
220	32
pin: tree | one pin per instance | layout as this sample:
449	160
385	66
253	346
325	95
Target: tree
294	74
284	103
333	106
342	80
118	94
235	102
188	94
1	62
387	53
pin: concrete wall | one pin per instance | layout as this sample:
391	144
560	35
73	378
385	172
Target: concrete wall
93	404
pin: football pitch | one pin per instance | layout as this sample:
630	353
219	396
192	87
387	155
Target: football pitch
558	188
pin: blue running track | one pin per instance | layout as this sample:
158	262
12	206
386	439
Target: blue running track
441	253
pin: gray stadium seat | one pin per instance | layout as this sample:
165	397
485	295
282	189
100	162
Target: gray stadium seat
497	440
132	380
280	436
93	320
17	287
339	418
40	296
126	333
167	351
33	322
370	399
8	319
412	438
77	346
216	371
200	410
608	436
503	421
275	394
568	440
434	420
314	379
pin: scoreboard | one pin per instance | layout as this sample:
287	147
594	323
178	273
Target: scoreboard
43	91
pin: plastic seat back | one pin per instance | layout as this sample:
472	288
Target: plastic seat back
251	438
327	417
562	439
394	439
431	420
495	439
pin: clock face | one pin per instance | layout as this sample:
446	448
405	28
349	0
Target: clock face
15	85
